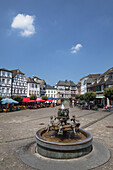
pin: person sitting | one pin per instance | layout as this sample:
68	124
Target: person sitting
75	125
50	124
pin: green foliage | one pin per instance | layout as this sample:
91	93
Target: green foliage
89	96
0	98
108	93
77	96
83	102
44	97
81	97
18	98
70	98
33	97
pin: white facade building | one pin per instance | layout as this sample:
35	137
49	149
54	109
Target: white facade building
51	92
42	85
84	85
66	89
33	88
5	82
19	83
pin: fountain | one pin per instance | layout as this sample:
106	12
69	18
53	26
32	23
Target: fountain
64	145
63	138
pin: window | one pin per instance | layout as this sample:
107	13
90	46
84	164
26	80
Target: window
105	78
51	91
17	75
3	73
48	91
35	85
32	85
8	74
3	90
111	76
97	80
8	81
3	81
7	90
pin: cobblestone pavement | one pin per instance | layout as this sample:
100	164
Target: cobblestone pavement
19	128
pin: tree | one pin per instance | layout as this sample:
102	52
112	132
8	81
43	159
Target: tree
81	97
18	98
108	93
70	98
0	98
33	97
44	97
77	96
89	96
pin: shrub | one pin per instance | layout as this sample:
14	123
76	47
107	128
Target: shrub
44	97
33	97
89	96
108	93
18	98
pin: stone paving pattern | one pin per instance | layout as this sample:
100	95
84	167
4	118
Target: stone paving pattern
19	128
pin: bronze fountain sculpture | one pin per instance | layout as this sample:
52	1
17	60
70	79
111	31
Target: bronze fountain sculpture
63	138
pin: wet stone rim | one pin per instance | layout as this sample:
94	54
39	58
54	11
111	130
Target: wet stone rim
99	156
63	150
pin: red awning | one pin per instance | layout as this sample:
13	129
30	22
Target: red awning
39	100
26	99
31	101
73	99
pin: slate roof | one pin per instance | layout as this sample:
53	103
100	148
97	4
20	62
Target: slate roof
30	80
92	75
15	72
65	83
101	79
50	87
3	69
39	81
37	78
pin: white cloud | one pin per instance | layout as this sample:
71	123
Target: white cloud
76	48
25	24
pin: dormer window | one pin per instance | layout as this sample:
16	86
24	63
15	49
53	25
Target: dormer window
98	80
105	78
111	76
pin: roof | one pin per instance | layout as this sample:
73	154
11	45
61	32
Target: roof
17	71
65	83
37	78
107	72
39	81
31	80
3	69
101	79
50	87
92	75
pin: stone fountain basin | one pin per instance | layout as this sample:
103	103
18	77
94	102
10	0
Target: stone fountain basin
58	150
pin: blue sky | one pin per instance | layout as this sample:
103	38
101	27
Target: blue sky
56	39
